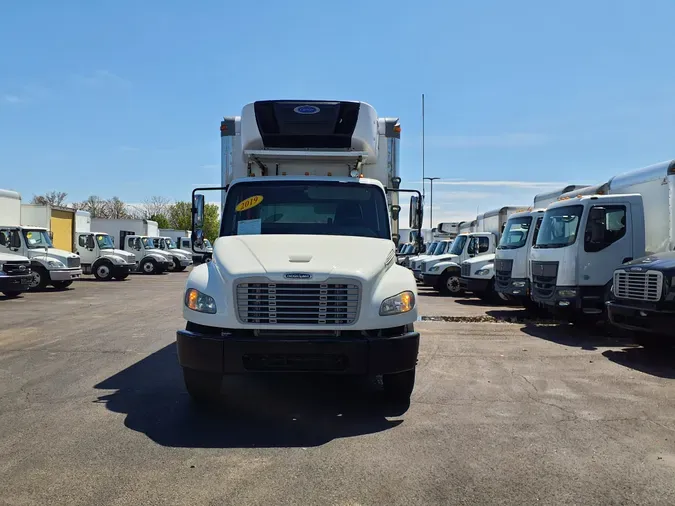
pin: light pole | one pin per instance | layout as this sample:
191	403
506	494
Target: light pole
431	208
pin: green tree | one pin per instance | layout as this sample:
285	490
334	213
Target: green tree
162	221
180	217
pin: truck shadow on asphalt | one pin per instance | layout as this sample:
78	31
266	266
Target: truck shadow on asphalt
280	410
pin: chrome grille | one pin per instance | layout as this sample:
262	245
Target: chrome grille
647	285
466	270
544	278
16	268
331	303
73	262
503	269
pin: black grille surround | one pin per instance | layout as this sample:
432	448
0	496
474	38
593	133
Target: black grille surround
16	268
503	270
544	279
333	302
465	270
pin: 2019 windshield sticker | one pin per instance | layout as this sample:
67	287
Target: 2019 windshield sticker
249	203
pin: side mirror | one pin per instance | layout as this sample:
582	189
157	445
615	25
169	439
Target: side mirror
415	220
198	238
395	210
51	235
198	212
90	242
14	239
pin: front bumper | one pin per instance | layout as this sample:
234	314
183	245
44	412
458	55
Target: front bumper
431	279
641	319
185	263
418	274
18	283
474	285
234	352
120	269
65	274
559	302
515	287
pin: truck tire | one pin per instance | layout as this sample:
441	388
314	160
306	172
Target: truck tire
40	278
61	285
203	387
103	271
174	266
449	284
399	386
149	266
490	295
121	277
11	295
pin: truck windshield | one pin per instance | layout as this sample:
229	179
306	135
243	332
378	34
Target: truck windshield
104	241
37	239
441	248
169	243
559	227
432	247
149	243
458	245
515	233
316	208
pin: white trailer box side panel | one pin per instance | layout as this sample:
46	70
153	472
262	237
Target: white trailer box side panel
152	228
543	200
173	233
83	221
654	183
33	215
10	208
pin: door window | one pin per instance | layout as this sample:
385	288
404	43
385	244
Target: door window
82	241
605	226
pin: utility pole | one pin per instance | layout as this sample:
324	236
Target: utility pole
423	178
431	208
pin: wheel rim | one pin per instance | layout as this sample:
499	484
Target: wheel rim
453	284
148	267
35	280
103	271
172	264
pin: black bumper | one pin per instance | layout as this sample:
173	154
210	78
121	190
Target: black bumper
121	270
557	301
474	285
641	319
18	283
431	280
232	353
521	290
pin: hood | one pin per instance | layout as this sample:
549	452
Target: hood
9	257
159	252
184	252
129	257
320	256
446	257
52	254
480	259
658	261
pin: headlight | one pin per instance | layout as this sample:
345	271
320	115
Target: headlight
198	301
55	263
401	303
566	292
434	268
482	272
519	284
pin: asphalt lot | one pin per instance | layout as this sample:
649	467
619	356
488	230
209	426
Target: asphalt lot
506	411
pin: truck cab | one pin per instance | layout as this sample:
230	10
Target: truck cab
15	274
580	242
440	248
99	257
304	275
512	266
199	254
49	265
149	259
180	260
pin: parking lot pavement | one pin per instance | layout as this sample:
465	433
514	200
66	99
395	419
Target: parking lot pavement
93	411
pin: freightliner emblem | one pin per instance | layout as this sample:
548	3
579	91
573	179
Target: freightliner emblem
298	275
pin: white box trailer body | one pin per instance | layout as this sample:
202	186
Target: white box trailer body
543	200
82	221
337	161
120	228
49	265
584	239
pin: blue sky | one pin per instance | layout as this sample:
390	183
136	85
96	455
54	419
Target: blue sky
124	98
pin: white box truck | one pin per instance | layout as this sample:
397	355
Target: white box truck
584	239
97	252
133	236
49	265
303	276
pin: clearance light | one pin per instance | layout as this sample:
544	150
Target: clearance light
283	173
329	174
360	175
306	173
397	129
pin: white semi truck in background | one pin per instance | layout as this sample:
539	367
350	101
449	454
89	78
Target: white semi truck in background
183	240
303	276
584	239
49	265
133	236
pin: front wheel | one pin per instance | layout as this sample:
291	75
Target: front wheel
174	266
399	386
40	278
203	387
449	284
61	285
103	272
149	266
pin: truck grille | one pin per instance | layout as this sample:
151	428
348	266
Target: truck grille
466	270
503	269
298	303
16	268
544	277
647	285
73	262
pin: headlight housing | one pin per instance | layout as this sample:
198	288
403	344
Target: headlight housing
398	304
55	264
200	302
434	268
567	292
482	272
